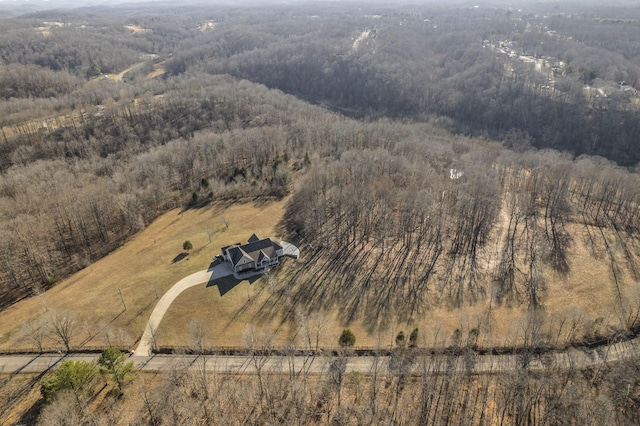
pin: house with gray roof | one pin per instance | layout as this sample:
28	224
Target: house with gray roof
256	256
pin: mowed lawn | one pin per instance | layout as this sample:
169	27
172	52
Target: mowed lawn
142	270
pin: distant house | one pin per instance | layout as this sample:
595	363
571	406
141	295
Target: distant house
455	174
255	256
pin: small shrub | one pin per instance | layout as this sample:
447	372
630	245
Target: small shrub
240	171
347	339
49	281
413	338
457	336
74	376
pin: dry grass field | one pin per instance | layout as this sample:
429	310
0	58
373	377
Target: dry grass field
136	29
584	301
231	313
143	269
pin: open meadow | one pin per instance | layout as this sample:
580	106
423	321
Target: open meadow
142	270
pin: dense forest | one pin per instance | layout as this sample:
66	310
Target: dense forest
409	232
377	119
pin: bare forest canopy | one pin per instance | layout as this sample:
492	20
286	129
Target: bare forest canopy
376	117
560	76
429	223
401	389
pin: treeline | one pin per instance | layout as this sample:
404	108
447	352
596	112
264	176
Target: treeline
416	62
72	194
34	82
394	61
83	52
45	53
77	192
392	394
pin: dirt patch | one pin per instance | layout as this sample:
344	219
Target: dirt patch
157	72
46	27
137	30
207	26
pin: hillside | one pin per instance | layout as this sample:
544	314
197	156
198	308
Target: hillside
465	173
399	219
150	113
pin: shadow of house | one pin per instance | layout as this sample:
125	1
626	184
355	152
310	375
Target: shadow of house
228	283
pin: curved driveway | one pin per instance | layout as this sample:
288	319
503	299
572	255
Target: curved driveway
146	341
220	270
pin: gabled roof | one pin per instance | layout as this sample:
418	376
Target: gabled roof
230	245
237	254
256	246
256	250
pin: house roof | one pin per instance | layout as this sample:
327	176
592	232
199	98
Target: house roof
230	245
255	237
254	250
237	254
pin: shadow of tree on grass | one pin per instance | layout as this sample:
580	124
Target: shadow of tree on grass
179	257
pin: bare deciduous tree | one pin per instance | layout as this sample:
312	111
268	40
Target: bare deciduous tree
63	327
197	333
36	333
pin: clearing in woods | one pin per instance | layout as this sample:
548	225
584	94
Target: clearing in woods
142	270
232	313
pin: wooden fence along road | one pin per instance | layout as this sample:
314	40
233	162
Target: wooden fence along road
412	361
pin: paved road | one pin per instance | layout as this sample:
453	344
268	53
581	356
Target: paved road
146	341
573	358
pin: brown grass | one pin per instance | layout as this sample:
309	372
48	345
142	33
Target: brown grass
586	294
157	72
143	271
